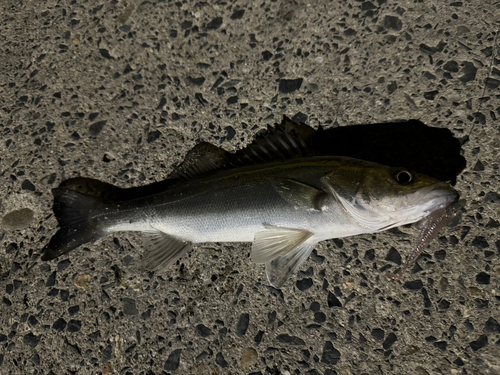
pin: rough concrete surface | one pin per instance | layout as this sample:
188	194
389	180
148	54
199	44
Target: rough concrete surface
122	90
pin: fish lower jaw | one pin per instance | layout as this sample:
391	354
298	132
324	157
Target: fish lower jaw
440	203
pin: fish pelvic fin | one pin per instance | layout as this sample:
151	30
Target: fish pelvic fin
162	250
77	214
274	242
279	270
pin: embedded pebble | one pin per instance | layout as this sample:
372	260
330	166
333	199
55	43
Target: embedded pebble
18	219
82	281
249	358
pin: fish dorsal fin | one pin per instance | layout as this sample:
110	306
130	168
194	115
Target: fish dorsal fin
274	242
203	158
162	250
279	270
283	142
200	167
302	196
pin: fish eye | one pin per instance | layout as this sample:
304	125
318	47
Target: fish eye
403	177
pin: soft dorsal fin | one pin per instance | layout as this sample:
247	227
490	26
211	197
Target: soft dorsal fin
198	168
285	141
203	158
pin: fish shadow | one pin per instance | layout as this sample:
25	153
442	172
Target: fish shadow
411	144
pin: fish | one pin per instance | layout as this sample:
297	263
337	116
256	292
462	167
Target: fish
281	198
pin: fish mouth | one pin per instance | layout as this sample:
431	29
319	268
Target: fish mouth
423	202
437	196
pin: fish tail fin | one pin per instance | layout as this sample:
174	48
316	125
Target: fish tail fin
78	224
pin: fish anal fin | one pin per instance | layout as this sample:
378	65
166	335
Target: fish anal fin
279	270
301	195
162	250
274	242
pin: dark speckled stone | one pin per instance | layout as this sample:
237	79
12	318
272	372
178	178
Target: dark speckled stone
333	301
242	326
393	256
469	71
330	355
393	23
290	340
59	324
391	339
492	325
129	307
480	343
97	127
31	340
74	325
173	360
378	334
220	360
304	284
414	285
203	330
287	86
214	24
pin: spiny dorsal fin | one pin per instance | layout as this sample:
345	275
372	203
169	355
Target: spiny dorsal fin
274	146
283	142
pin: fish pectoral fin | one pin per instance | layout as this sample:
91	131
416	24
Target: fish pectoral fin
300	195
274	242
162	250
279	270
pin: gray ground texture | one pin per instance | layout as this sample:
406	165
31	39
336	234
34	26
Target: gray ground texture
122	90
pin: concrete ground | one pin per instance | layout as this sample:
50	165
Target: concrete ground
121	90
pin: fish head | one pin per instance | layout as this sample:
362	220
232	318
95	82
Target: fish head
381	197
